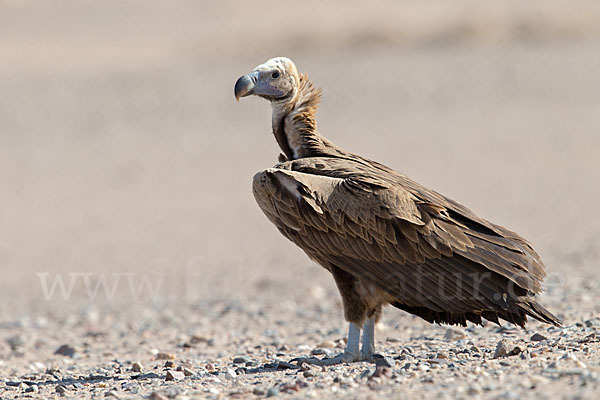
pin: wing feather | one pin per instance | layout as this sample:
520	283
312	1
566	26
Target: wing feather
410	242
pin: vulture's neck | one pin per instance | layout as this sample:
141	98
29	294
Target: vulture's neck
295	125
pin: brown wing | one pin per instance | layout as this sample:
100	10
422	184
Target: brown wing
430	254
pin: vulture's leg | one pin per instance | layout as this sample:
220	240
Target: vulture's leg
351	352
368	340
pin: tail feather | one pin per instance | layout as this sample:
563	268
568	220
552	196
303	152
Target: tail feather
539	312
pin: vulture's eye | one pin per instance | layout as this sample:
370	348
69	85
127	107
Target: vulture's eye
275	75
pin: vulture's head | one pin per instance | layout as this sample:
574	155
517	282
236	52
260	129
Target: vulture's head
275	80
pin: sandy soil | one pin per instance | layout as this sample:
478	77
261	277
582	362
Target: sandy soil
125	166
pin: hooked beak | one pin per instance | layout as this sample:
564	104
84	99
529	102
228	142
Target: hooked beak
245	85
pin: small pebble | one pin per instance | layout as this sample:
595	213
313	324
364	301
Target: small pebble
454	334
272	392
157	396
230	373
60	389
174	375
474	389
537	337
503	348
165	356
137	367
423	367
381	372
285	365
188	372
199	339
366	373
515	351
327	344
241	360
65	350
592	322
169	364
32	389
381	361
589	338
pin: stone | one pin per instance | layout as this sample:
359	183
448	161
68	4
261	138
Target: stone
365	374
137	367
199	339
423	368
515	351
536	337
320	351
172	392
381	372
327	344
165	356
382	361
60	389
157	396
188	372
230	373
174	375
589	338
272	392
594	322
503	348
474	389
241	360
169	364
285	365
32	389
454	334
65	350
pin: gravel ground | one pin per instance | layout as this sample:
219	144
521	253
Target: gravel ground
125	167
243	348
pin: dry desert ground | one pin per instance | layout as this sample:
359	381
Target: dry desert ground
125	173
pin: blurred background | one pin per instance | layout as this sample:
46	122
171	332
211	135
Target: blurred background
123	152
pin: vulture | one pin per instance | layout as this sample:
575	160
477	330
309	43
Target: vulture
385	238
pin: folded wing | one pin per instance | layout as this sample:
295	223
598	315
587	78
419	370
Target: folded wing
433	256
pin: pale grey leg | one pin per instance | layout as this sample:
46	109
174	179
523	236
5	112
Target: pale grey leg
368	340
352	346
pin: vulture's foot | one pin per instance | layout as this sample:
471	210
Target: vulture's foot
352	352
